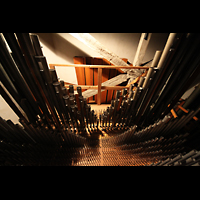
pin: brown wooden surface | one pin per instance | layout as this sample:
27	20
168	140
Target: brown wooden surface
96	61
88	77
89	74
105	77
99	96
111	75
115	73
86	70
80	72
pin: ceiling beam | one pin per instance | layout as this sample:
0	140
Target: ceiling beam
94	44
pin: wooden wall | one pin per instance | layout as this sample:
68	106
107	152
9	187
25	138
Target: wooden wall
87	76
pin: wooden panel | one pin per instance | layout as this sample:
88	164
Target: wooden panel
114	92
99	95
96	61
113	73
89	74
110	92
105	76
80	72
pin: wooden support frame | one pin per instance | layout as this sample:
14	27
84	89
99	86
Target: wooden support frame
98	87
52	66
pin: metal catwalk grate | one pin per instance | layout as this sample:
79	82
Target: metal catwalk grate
115	156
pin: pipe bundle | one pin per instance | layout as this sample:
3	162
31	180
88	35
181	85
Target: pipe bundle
58	127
